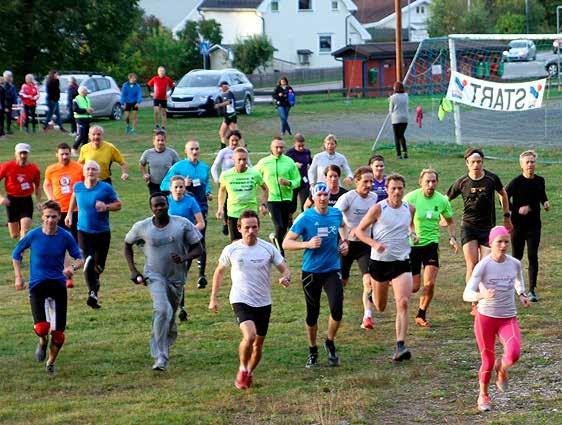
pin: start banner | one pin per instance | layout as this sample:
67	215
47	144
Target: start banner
495	96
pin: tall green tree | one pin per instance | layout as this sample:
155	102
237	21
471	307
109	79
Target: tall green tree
252	53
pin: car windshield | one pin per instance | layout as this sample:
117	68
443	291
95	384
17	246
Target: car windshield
200	80
517	44
64	81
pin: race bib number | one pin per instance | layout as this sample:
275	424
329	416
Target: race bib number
65	190
322	232
429	215
196	182
25	186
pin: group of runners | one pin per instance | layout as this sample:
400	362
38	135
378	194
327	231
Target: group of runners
393	236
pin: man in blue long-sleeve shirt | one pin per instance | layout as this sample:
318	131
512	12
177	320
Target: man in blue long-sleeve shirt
196	174
131	98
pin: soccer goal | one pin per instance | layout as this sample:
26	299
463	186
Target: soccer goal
515	59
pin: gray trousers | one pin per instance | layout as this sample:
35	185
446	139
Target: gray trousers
166	297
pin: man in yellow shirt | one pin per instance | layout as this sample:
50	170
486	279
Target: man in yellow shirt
104	153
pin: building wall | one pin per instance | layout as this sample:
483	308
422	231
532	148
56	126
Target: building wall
415	18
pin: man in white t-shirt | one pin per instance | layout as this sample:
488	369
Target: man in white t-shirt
250	259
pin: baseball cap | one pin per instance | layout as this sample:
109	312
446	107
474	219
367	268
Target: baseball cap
22	147
223	83
319	187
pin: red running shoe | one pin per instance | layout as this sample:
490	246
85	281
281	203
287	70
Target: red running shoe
241	381
367	323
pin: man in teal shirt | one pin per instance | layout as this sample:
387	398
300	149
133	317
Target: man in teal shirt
430	207
281	175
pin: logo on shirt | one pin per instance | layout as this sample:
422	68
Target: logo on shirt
64	180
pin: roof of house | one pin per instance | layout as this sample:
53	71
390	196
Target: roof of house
385	50
369	11
230	4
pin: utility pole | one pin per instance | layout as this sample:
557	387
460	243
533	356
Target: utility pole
527	15
398	37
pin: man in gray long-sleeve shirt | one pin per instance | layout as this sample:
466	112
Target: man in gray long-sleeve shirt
321	160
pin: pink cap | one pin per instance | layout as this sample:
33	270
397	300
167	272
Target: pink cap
497	231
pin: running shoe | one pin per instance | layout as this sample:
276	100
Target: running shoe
367	323
69	283
182	315
133	132
484	403
533	297
423	323
402	354
160	365
92	300
241	381
502	380
201	282
333	359
50	368
127	129
41	352
312	361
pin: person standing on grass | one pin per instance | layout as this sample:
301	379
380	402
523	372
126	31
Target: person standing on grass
71	93
58	185
29	94
225	104
303	159
354	205
169	244
527	194
197	183
11	98
376	162
21	180
104	153
320	228
52	87
392	226
95	200
316	172
430	206
281	175
49	245
131	98
281	97
477	189
157	161
398	110
82	111
250	259
3	108
240	184
492	285
332	174
159	86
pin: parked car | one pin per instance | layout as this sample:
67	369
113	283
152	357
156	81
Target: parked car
520	50
104	94
551	66
197	90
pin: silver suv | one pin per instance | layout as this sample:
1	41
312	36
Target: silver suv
103	92
197	90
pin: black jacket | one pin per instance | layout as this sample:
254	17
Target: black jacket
281	100
53	89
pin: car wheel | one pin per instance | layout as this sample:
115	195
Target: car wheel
552	69
116	112
247	105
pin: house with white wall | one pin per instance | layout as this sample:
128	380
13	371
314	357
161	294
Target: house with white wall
303	32
379	14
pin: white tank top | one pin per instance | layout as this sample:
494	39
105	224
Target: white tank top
392	229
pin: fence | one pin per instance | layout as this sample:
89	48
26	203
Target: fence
297	76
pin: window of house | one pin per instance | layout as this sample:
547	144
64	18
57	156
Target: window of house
422	9
275	6
325	43
305	4
335	5
418	10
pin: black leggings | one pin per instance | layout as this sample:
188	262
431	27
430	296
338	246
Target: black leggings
312	284
49	289
83	126
399	139
302	193
280	215
532	236
95	246
29	114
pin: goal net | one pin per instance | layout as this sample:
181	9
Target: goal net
493	58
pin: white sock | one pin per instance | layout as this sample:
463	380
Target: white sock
368	313
243	369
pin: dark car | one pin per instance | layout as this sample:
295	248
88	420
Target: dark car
197	90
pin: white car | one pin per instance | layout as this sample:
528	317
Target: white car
520	50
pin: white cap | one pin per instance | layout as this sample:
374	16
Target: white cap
22	147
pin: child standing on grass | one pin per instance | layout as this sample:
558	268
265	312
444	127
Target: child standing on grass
492	284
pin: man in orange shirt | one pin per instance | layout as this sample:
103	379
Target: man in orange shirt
159	85
58	185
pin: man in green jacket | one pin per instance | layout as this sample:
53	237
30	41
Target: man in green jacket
281	175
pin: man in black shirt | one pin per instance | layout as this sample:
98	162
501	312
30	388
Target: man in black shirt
52	87
479	213
526	194
225	104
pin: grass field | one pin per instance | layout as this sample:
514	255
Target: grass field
104	371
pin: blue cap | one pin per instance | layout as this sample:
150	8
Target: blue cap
319	187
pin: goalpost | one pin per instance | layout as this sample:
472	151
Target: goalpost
481	56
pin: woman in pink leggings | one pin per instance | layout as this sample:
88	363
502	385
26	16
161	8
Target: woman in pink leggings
492	284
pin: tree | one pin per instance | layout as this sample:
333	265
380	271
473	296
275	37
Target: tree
193	33
453	16
252	53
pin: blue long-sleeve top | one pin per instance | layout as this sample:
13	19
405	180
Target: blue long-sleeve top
131	93
198	172
11	94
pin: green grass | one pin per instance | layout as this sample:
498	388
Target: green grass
104	369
